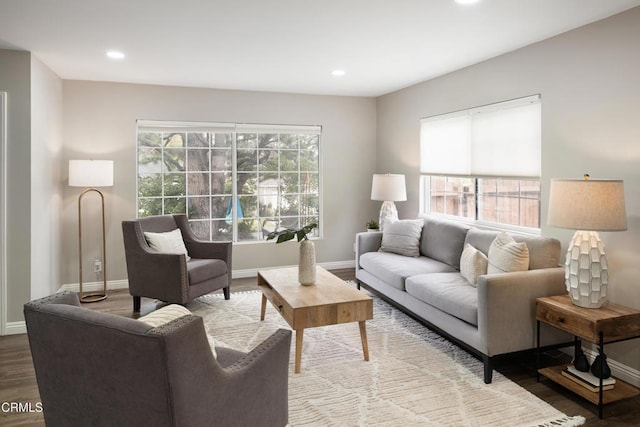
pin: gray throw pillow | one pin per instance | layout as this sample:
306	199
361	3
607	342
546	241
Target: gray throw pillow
402	237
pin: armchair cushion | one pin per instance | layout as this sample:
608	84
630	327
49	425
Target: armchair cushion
170	242
200	270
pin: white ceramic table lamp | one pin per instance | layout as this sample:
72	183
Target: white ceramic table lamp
91	174
388	188
588	206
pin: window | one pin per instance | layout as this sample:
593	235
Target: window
483	164
234	182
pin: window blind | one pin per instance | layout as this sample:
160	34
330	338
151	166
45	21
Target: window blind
497	140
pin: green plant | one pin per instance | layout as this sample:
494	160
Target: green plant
288	234
373	225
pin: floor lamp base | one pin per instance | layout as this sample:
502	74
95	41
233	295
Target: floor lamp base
92	297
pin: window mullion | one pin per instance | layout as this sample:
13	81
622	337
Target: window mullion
234	185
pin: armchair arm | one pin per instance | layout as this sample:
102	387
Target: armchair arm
66	297
367	242
203	391
260	377
507	307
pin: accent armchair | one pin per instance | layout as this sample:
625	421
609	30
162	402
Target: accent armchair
171	277
100	369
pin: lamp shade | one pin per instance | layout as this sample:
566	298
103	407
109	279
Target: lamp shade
596	205
90	173
388	187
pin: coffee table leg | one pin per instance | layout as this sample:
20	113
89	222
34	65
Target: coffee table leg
363	337
263	308
299	336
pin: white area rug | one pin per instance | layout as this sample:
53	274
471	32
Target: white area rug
414	376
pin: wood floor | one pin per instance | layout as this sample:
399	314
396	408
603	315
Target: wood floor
18	384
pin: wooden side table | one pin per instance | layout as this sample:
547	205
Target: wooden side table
608	324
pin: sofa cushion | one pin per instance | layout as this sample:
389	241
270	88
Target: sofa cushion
443	240
402	237
200	270
393	269
544	252
507	255
448	292
473	263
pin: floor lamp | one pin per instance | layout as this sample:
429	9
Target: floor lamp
91	174
388	188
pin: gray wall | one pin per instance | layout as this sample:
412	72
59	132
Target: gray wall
15	80
589	80
46	185
100	122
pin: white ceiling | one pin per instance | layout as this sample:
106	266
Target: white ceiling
283	45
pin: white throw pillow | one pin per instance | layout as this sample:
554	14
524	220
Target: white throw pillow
170	312
170	242
164	315
473	263
402	237
506	255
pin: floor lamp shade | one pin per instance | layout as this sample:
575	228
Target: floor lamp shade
91	174
388	188
587	206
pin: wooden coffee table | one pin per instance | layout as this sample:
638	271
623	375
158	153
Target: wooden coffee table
328	302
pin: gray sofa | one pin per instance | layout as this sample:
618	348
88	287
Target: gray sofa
496	318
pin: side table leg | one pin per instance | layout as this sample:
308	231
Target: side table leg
537	350
363	337
299	336
600	391
263	307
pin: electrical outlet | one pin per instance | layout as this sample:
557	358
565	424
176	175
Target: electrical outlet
97	266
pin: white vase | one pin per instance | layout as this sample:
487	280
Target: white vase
307	263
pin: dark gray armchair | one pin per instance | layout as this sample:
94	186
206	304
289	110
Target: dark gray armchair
170	277
99	369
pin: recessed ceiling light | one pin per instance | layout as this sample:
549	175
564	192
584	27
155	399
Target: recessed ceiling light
114	54
337	73
466	1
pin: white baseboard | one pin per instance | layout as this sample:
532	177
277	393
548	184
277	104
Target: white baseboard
253	272
15	328
95	286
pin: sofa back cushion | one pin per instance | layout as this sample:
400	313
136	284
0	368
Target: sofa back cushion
443	240
544	252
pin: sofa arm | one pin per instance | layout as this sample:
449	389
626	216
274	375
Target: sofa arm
367	242
507	307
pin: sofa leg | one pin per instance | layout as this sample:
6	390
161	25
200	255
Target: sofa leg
358	284
226	292
136	304
488	370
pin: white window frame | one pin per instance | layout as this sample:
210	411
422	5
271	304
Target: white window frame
234	129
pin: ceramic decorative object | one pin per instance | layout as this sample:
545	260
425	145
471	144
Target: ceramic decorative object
586	272
307	252
600	367
307	263
580	360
